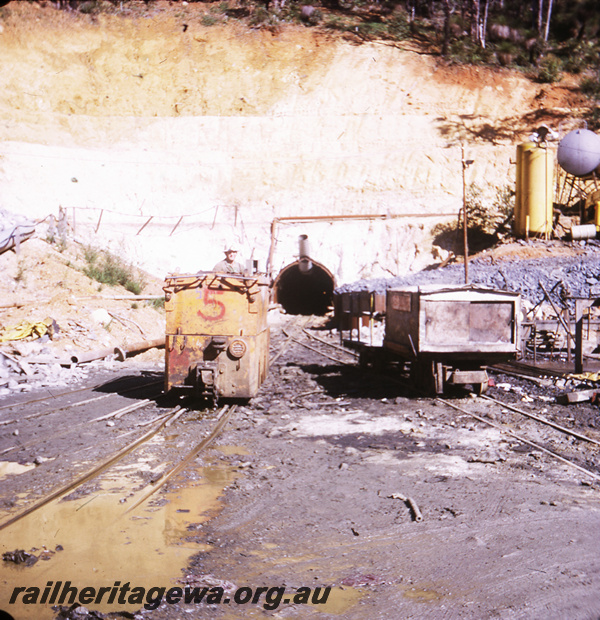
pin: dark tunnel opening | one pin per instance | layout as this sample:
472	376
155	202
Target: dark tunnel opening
304	293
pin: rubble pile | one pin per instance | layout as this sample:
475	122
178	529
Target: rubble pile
58	326
18	375
563	277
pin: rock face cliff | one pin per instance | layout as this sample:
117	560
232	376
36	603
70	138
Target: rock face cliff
166	139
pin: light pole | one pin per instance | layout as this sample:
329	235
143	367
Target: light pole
465	164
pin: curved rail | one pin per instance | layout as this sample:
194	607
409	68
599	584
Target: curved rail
226	413
95	471
532	416
516	436
520	438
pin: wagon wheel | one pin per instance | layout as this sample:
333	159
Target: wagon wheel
480	388
423	375
438	377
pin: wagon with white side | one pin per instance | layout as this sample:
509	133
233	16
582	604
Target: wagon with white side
450	333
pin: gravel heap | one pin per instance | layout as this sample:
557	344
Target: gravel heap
564	277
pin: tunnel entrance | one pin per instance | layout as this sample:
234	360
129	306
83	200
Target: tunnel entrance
304	293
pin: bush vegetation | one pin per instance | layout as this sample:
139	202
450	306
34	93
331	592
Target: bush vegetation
107	268
544	38
489	218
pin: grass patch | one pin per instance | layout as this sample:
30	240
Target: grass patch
157	304
209	20
549	71
106	268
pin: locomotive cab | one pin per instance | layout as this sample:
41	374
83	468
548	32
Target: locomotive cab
217	337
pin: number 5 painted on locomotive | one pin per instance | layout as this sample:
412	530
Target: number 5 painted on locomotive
212	309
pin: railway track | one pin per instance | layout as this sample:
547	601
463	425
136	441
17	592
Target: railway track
158	422
300	332
574	449
575	452
80	403
115	413
519	417
92	473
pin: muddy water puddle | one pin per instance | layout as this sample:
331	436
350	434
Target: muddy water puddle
421	594
94	542
8	468
339	601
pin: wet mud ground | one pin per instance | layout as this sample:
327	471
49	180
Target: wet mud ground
304	489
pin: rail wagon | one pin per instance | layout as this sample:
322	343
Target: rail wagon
450	333
217	337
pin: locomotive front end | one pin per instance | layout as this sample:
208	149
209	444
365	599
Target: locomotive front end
217	336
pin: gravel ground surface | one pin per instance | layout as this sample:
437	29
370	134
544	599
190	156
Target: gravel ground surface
507	531
565	276
305	489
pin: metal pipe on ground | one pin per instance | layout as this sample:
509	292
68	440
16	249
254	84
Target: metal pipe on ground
139	347
119	352
91	356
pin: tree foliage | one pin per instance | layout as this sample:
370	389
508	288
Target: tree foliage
544	37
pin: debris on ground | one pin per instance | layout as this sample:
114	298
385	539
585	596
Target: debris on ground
14	229
20	556
83	317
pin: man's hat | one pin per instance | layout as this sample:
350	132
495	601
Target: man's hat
230	250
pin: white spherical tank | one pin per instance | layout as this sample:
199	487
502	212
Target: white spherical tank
579	152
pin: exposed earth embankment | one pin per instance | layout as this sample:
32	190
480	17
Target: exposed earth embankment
167	139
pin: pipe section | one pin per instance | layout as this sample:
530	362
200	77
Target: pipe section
119	352
304	262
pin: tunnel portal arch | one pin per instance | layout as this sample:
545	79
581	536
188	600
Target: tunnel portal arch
304	292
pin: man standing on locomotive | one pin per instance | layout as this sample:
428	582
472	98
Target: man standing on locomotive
229	265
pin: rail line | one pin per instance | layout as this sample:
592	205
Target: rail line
222	419
319	345
117	413
159	423
503	428
525	440
87	401
532	416
95	471
303	321
522	439
60	394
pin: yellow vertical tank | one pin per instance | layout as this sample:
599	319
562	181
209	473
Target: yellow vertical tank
519	224
534	190
593	202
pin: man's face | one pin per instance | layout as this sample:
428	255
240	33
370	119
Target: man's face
230	256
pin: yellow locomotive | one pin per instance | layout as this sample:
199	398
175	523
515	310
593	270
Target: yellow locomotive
217	336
